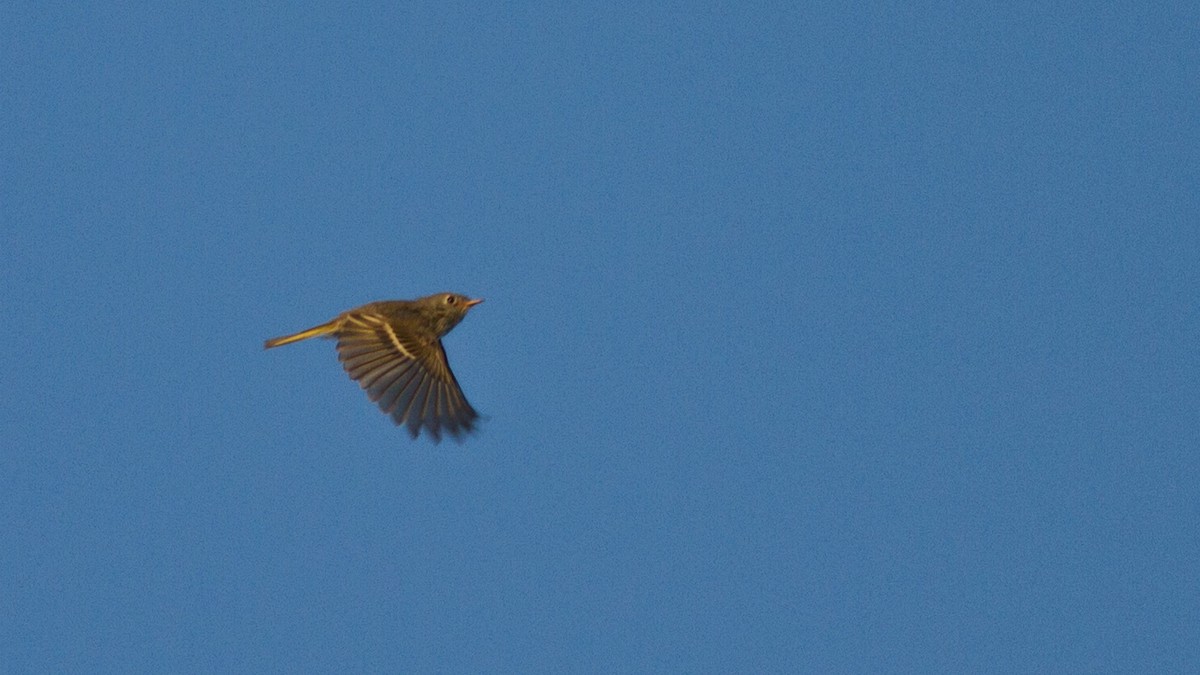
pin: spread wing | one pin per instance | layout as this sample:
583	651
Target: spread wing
406	374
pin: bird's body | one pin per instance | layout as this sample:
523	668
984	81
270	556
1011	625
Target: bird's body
393	349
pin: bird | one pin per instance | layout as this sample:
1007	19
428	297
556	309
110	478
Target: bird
393	349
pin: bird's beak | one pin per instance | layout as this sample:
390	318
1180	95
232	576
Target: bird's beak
472	303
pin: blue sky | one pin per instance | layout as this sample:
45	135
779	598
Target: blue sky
818	337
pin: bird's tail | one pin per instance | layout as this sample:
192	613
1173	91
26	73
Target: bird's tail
323	329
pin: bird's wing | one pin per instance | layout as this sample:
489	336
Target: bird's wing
406	374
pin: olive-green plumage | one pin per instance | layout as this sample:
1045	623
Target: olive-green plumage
393	349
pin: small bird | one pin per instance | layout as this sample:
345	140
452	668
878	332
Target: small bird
393	349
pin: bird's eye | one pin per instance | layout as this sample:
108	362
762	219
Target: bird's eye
450	299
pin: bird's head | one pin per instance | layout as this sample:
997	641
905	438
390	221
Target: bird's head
446	309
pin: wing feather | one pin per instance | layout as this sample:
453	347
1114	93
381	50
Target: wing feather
407	375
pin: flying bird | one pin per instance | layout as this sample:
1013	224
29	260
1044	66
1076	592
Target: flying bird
393	349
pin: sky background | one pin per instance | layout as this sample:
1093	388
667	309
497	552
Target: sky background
819	337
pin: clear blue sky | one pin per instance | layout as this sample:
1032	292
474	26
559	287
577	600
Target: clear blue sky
818	337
